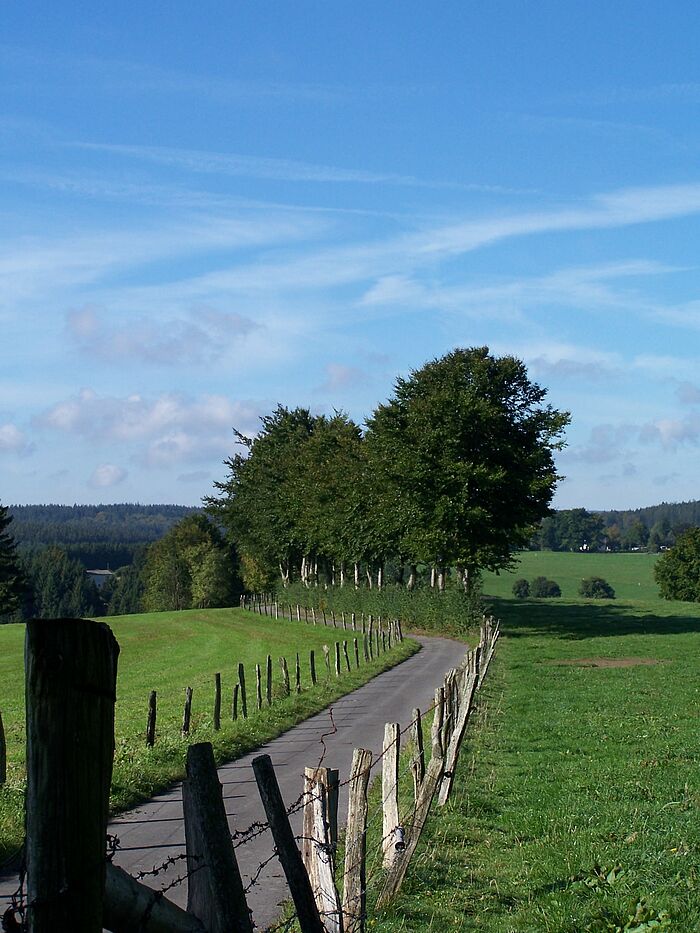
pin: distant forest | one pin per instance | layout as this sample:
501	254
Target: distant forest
102	537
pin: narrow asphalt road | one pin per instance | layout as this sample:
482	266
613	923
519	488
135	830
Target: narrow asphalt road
154	832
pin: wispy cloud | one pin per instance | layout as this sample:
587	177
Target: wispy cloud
14	441
273	169
160	431
201	336
106	475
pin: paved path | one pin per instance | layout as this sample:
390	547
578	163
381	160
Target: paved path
154	831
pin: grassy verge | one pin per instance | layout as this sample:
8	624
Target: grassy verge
575	808
167	652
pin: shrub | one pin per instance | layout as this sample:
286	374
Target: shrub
521	588
542	588
596	588
678	571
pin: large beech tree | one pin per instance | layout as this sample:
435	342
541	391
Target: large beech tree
464	450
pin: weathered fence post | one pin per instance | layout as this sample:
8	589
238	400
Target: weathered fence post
234	702
297	676
215	890
320	840
285	676
241	681
3	754
187	712
258	686
357	652
130	905
327	658
337	659
354	870
151	724
71	675
268	679
289	855
217	701
418	757
392	832
346	655
312	666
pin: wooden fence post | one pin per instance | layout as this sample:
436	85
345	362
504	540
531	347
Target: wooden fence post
130	905
3	754
258	686
312	666
418	758
337	659
327	658
346	656
187	712
285	676
71	675
217	702
392	833
241	681
268	679
215	890
454	745
289	856
354	870
234	702
357	652
151	724
320	840
297	676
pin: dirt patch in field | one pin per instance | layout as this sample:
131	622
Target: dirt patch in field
605	662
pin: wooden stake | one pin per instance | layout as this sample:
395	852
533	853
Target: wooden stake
392	840
3	754
71	676
187	712
151	724
418	757
327	658
258	686
268	680
297	676
346	656
354	872
312	666
285	676
130	905
337	659
241	681
357	652
234	704
215	891
289	855
217	702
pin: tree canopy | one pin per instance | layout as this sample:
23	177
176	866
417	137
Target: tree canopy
456	469
677	572
12	580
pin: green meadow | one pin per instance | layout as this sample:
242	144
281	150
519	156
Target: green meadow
631	575
577	801
167	652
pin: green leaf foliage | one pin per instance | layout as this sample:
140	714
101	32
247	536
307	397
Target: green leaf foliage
13	583
596	588
677	572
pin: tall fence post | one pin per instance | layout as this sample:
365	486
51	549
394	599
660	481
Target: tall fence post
258	687
319	841
215	890
268	679
3	754
297	676
285	676
312	666
234	702
354	870
151	722
217	701
289	855
187	712
392	832
71	675
241	681
418	757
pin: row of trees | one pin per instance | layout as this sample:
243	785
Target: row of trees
455	470
579	529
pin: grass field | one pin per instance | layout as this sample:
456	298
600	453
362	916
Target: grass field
631	575
576	808
166	652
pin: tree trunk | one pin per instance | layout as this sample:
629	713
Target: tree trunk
441	579
369	577
432	578
380	576
412	577
342	573
356	568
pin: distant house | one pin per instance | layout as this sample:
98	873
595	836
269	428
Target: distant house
99	577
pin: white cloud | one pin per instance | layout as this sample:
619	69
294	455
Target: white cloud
14	441
200	336
107	474
162	430
340	377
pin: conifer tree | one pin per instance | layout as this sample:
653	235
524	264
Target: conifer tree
12	581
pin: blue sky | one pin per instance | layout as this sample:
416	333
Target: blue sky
211	208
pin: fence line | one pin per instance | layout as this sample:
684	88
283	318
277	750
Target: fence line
56	877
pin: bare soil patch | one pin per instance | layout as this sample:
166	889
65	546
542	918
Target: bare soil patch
604	662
